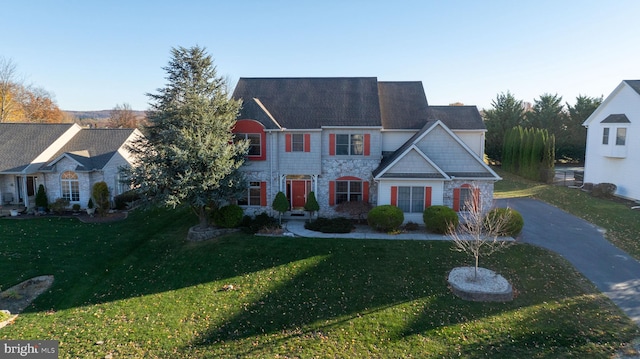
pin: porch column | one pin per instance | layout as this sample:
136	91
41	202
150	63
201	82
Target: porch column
314	180
24	191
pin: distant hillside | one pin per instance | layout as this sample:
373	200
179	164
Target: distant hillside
98	115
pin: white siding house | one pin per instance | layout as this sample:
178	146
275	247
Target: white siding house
613	141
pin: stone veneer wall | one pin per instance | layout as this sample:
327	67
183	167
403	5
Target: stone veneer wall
336	168
272	190
486	192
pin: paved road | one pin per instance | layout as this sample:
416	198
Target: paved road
612	270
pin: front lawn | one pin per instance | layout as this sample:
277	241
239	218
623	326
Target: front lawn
137	289
621	223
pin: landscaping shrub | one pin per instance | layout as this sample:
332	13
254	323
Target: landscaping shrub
311	205
514	224
122	200
604	190
438	219
259	222
41	198
330	225
385	218
229	216
100	194
354	209
59	205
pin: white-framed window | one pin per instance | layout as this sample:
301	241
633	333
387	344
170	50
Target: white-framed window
605	136
297	142
348	191
70	186
253	195
621	136
255	146
411	199
350	145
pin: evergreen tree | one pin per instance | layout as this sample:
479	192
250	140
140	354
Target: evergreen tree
311	205
280	204
507	113
189	155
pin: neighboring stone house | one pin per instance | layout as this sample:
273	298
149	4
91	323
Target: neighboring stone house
359	139
66	158
613	141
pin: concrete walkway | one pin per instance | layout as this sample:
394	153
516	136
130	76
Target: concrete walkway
613	271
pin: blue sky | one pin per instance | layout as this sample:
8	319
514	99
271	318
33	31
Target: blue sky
93	55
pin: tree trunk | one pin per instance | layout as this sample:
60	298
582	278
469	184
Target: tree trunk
203	217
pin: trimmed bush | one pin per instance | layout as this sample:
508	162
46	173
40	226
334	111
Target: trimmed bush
41	198
122	200
59	205
229	216
385	218
311	205
259	222
438	219
604	190
330	225
514	224
100	193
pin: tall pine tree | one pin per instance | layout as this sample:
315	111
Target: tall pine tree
189	155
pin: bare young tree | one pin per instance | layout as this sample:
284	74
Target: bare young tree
480	232
122	116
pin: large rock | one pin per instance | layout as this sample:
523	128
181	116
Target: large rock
487	286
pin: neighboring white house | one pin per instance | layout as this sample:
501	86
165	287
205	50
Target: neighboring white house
66	158
613	141
359	139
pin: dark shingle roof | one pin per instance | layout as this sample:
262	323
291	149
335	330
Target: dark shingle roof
21	143
93	148
635	84
616	118
457	117
403	105
304	103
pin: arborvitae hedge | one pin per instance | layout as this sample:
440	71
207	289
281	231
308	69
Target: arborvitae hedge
530	153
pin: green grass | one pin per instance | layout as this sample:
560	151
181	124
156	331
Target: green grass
141	291
621	223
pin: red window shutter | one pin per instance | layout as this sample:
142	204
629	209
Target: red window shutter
427	197
287	142
456	199
332	193
263	194
367	144
332	144
394	195
307	142
365	191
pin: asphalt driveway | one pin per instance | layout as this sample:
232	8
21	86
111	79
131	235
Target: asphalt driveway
612	270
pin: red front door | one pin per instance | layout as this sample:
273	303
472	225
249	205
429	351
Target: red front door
298	194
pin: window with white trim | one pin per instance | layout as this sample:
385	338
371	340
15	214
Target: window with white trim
621	136
350	145
255	148
605	136
253	195
70	186
411	199
297	142
348	191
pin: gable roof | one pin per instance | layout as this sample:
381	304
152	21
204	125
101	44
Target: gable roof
632	84
21	143
305	103
313	102
386	164
92	148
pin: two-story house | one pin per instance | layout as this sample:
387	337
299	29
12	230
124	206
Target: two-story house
613	149
359	139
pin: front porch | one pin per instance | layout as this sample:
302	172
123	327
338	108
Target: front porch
5	210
